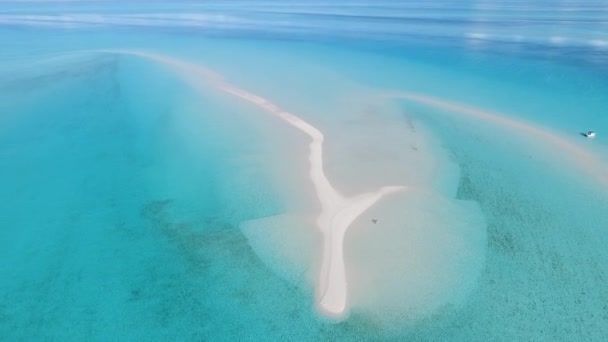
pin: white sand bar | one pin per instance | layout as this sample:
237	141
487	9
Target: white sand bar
337	212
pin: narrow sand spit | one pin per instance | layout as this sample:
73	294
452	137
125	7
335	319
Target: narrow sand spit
584	159
337	212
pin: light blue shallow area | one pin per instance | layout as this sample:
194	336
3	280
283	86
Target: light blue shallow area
123	187
102	236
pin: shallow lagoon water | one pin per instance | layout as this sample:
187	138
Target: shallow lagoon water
127	188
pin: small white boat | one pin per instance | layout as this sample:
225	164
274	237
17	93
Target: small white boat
590	134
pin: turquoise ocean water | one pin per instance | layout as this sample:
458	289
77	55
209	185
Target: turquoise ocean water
124	186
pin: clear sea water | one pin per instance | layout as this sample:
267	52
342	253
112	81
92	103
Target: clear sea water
124	187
